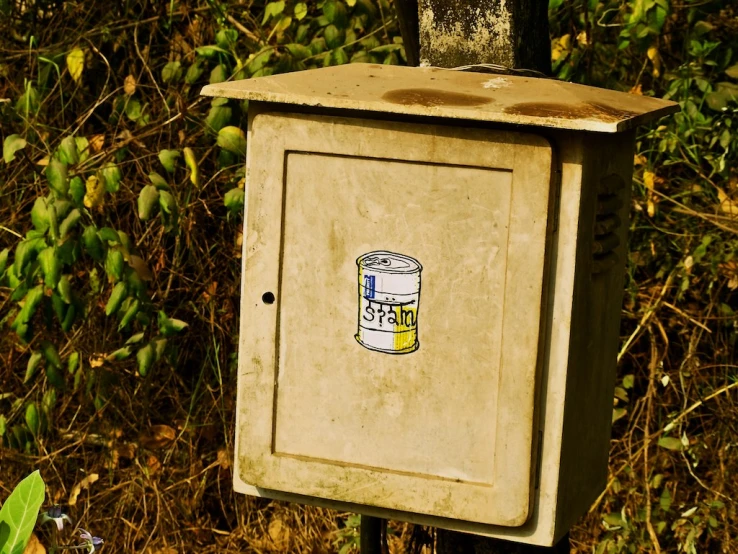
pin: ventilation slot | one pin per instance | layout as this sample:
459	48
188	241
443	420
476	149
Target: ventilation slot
607	223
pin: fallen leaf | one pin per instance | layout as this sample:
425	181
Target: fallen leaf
97	142
83	484
224	460
97	360
34	546
153	464
279	533
126	450
129	85
638	89
158	436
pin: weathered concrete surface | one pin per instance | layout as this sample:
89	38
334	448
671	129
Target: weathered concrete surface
505	32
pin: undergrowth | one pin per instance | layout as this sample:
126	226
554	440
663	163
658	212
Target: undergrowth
121	195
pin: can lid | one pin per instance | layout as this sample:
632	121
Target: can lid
388	262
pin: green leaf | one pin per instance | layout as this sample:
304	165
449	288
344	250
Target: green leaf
114	264
301	11
73	362
19	513
32	300
225	38
172	72
158	181
32	365
298	51
334	38
159	346
50	266
69	318
209	51
32	420
65	289
168	159
25	252
148	199
68	152
169	327
129	315
56	173
671	443
77	189
218	117
272	9
731	72
336	13
191	163
109	235
218	74
51	354
145	359
233	199
92	243
135	339
69	223
232	139
11	145
193	73
134	109
628	381
665	500
54	377
168	206
120	354
111	176
40	214
3	260
116	298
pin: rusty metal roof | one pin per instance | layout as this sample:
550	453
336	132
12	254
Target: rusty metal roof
453	94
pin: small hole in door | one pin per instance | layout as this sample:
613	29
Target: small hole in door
267	298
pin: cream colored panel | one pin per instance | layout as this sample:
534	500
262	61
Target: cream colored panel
379	410
446	428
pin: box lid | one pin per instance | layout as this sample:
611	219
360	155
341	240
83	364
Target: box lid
435	92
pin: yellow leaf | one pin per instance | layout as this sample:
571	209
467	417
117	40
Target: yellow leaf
727	205
83	484
649	178
76	63
191	162
95	192
653	55
129	85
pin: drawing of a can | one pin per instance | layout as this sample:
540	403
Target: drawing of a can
389	296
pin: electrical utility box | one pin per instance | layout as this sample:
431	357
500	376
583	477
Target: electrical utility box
432	281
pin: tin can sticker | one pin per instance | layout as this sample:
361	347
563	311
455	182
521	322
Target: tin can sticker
389	299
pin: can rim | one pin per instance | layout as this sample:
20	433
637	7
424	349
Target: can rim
413	265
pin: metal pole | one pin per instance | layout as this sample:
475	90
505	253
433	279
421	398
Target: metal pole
373	535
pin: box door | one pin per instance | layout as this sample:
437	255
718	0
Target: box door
391	309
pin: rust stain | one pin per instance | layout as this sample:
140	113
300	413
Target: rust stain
586	110
431	97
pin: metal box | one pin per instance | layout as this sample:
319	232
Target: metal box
432	279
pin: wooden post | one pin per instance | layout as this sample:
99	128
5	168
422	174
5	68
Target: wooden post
453	33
